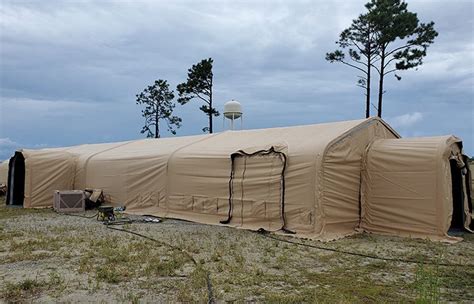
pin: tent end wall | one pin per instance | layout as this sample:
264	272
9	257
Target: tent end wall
340	185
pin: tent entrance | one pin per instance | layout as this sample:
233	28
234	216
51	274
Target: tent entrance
256	190
16	180
457	219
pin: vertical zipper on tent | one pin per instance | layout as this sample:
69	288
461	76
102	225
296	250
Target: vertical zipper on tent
231	191
241	153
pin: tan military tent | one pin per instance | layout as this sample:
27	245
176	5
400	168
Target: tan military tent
304	179
416	187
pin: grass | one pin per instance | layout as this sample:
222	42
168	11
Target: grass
427	284
70	259
112	261
9	213
27	288
14	292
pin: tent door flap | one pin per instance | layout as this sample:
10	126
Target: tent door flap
256	190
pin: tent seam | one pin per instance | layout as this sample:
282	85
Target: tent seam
86	163
171	156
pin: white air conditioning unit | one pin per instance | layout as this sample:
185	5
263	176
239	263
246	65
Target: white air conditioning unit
69	201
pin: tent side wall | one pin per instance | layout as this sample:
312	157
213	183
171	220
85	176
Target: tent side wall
4	172
131	174
85	167
407	189
340	178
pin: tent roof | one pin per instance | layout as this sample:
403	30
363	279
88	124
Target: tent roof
424	147
312	138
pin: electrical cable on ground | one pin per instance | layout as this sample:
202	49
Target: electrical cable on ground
79	215
124	221
267	235
210	294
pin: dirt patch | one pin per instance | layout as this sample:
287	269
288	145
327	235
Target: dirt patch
46	257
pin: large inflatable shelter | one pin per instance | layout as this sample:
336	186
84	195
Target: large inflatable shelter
322	181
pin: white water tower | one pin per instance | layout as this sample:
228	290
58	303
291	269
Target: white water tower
233	111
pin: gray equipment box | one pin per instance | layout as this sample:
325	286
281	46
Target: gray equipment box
69	201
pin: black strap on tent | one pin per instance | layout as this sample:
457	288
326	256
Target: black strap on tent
242	153
231	190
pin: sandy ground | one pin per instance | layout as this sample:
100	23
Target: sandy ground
46	257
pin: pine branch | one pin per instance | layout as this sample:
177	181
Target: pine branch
398	48
391	71
354	66
360	62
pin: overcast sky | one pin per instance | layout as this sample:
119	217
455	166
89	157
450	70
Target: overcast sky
69	70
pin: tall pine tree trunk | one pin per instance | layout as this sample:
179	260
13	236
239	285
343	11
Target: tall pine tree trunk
211	109
367	101
382	62
369	61
210	117
157	126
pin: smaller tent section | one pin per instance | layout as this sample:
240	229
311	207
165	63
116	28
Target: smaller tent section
416	187
35	174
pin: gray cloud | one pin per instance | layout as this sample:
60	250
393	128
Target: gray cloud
69	70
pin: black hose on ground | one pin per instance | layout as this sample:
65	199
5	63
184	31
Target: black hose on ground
268	235
210	294
79	215
364	255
